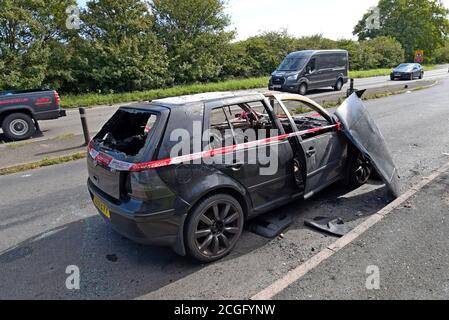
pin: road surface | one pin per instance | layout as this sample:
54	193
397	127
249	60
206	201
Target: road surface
98	116
408	251
48	223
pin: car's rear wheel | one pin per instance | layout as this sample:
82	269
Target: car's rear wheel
18	126
359	169
302	89
214	227
338	85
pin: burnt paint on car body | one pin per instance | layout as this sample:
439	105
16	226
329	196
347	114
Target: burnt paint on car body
151	206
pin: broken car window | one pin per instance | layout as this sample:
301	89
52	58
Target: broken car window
126	132
240	124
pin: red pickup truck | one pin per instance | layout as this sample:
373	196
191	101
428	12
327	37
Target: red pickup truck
20	111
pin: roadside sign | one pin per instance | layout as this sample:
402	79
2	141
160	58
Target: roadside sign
419	56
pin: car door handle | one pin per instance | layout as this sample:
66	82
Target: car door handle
311	152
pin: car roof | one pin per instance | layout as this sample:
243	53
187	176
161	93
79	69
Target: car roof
207	97
312	52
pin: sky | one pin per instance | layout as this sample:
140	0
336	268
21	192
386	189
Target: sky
334	19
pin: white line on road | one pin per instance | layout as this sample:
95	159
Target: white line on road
297	273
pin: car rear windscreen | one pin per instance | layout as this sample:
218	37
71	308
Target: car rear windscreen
126	134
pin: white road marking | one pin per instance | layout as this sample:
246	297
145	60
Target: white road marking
297	273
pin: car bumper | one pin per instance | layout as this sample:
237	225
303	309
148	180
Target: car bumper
155	228
403	76
50	115
294	88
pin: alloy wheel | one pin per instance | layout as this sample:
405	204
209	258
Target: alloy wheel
363	169
218	228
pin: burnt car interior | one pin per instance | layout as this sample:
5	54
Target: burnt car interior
255	116
126	132
232	122
304	116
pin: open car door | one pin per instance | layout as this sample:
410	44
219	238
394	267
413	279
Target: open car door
362	131
319	145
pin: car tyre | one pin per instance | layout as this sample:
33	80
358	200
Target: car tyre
421	76
338	85
391	78
359	169
18	126
213	228
302	89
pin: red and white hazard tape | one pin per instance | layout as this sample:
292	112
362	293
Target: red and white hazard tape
118	165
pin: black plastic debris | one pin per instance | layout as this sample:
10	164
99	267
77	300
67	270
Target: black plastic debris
270	225
112	257
333	226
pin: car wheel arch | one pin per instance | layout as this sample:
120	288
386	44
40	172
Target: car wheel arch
7	111
180	246
229	190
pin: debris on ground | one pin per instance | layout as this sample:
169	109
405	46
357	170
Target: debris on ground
333	226
271	225
112	257
408	205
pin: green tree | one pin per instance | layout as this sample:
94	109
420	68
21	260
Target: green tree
117	49
315	42
237	63
442	53
30	33
194	34
416	24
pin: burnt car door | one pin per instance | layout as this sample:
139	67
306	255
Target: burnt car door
362	131
325	147
264	169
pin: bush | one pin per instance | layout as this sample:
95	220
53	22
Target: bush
442	54
381	52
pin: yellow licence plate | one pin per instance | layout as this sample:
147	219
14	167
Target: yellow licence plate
102	207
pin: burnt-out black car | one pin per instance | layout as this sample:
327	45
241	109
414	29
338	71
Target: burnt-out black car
188	172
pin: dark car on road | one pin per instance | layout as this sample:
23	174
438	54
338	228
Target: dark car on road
407	71
311	69
20	111
196	199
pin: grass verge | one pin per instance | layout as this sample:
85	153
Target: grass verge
42	163
94	99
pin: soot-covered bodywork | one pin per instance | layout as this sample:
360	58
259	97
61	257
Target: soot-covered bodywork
362	131
153	195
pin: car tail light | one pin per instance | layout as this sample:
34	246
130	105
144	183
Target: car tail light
57	99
